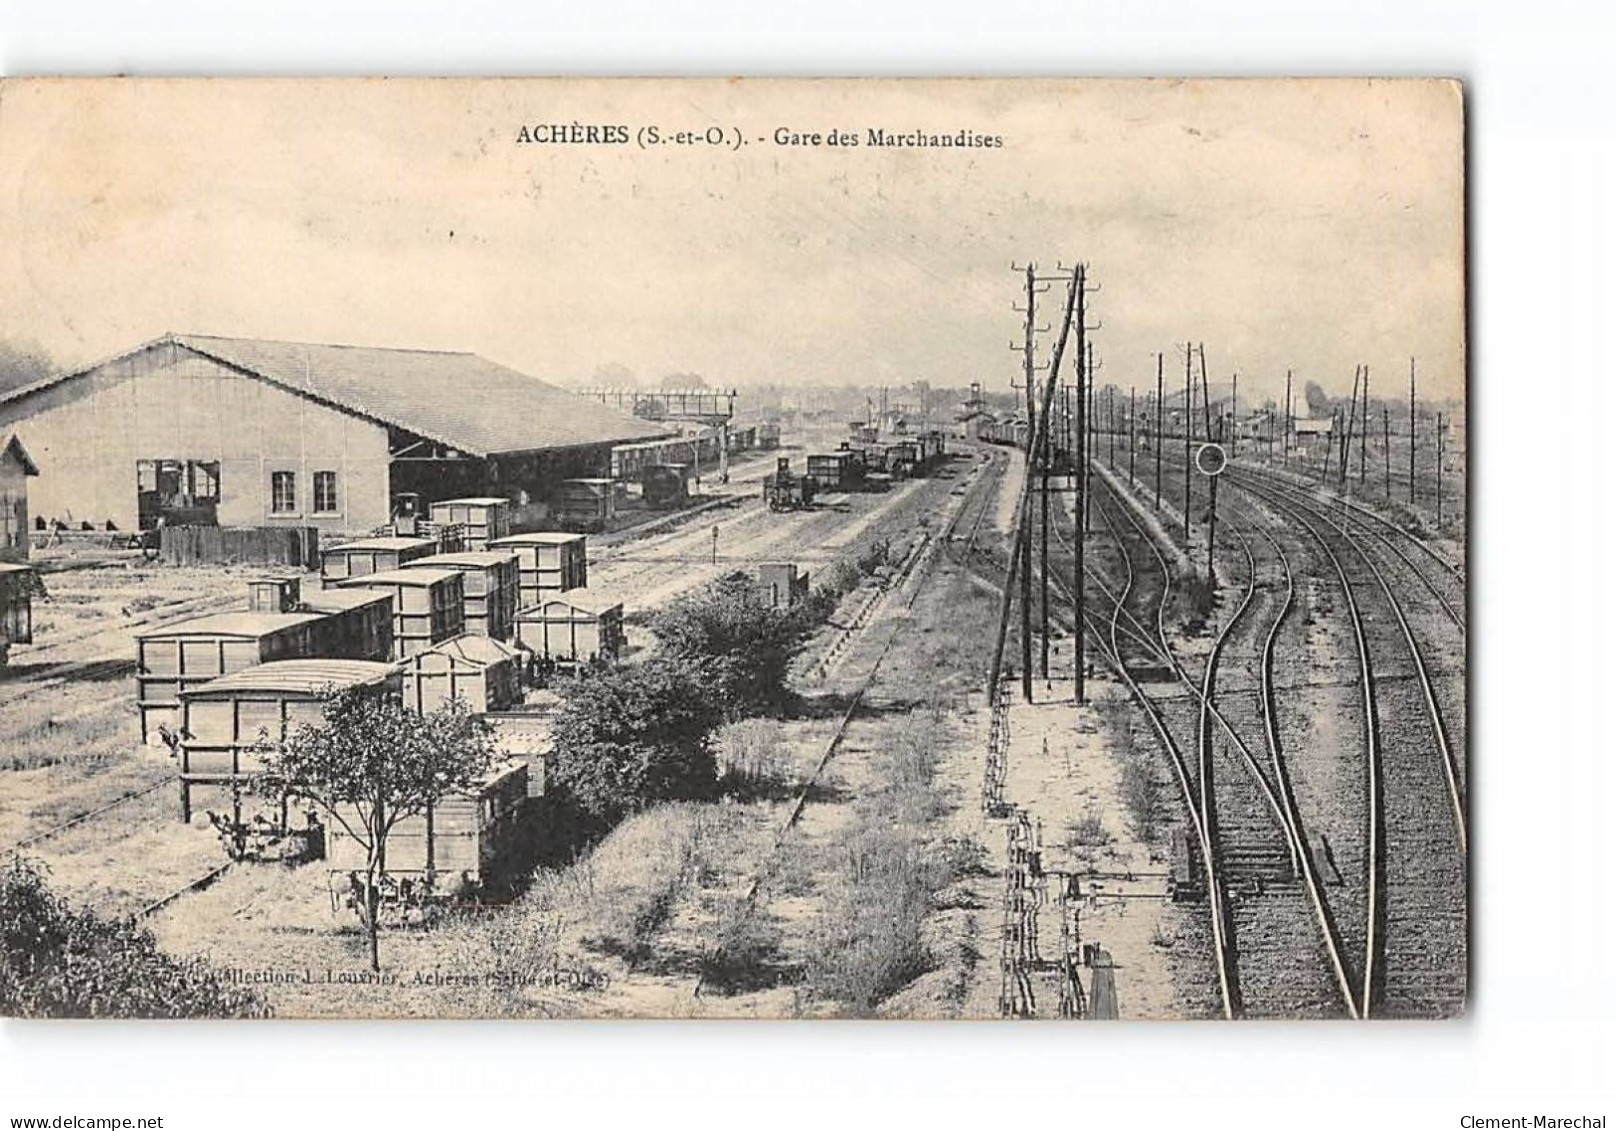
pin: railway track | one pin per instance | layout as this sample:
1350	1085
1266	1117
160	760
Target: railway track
911	575
1412	920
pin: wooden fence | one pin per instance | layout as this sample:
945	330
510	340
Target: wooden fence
258	545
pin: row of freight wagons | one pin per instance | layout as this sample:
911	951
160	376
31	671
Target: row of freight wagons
387	602
470	835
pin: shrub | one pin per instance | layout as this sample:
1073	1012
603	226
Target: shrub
57	961
1089	831
742	645
629	737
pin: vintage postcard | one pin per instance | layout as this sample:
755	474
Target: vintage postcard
733	548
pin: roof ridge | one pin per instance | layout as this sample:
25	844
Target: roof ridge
181	335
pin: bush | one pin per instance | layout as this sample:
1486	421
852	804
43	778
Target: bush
629	737
742	645
57	961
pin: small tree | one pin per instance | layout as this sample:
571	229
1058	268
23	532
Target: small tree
632	736
743	645
370	764
60	961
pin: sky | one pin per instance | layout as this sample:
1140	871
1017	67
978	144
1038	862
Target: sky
1305	225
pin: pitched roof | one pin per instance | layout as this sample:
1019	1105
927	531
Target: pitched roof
458	399
14	447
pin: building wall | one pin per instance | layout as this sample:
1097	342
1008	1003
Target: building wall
166	402
13	509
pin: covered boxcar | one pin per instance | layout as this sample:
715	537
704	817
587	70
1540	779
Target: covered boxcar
666	485
358	625
17	585
481	519
482	672
587	504
549	561
467	841
225	721
572	628
836	471
429	605
177	657
372	555
492	588
768	436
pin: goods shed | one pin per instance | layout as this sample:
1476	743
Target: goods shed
222	720
194	428
492	588
572	628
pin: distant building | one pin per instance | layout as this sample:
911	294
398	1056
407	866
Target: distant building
243	432
16	468
1306	427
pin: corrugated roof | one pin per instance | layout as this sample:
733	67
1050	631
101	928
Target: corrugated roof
309	677
458	399
243	624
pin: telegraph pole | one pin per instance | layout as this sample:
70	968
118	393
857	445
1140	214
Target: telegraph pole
1158	428
1189	406
1094	430
1080	479
1234	412
1363	440
1439	447
1411	436
1386	444
1111	421
1285	444
1130	435
1024	511
1346	440
1025	533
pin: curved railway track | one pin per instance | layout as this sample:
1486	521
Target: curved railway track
1413	947
1281	931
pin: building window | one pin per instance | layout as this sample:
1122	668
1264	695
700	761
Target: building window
283	492
325	492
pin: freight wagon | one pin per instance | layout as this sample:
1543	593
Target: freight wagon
666	486
429	605
768	437
362	623
372	555
177	657
481	520
468	842
586	504
225	721
17	586
836	472
572	628
483	673
548	561
492	588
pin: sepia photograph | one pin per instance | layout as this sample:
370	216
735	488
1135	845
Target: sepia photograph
773	549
